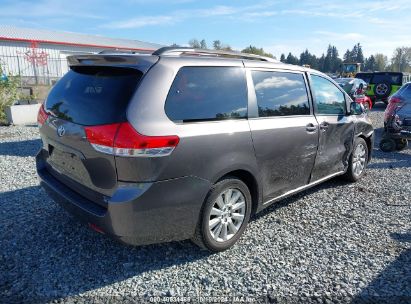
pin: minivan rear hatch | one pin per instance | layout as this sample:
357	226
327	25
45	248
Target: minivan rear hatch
88	96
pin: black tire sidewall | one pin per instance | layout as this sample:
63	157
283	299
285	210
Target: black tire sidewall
401	144
220	187
385	141
350	174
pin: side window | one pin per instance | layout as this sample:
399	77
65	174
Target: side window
207	93
328	98
280	93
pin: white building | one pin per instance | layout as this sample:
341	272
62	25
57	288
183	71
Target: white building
39	56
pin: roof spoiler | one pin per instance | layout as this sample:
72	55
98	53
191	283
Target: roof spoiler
143	63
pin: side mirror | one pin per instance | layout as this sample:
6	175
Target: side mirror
356	108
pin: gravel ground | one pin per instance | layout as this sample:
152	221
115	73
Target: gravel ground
337	242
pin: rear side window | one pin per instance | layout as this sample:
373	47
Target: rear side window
207	93
93	95
328	98
280	93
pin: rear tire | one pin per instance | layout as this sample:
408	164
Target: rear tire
387	145
358	161
224	216
401	144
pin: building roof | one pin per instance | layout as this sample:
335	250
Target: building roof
13	33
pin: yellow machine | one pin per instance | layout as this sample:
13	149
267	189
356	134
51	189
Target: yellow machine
350	69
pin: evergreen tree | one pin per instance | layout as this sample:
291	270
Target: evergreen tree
194	43
321	62
291	59
203	44
282	58
347	56
354	53
370	64
217	44
360	56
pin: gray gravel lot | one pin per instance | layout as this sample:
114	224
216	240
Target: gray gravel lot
337	242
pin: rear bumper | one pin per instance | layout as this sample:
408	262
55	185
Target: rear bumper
137	213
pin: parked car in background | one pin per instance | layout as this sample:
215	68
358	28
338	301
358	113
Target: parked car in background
381	85
352	86
397	120
356	88
187	144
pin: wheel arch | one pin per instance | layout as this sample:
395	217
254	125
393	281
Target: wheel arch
251	182
368	141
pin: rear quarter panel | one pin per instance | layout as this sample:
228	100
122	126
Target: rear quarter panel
207	149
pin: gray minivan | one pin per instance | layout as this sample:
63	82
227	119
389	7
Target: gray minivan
188	144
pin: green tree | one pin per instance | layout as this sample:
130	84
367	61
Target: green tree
217	44
381	62
9	92
307	58
401	59
335	60
203	44
360	56
194	43
347	56
370	64
291	59
321	62
257	51
282	58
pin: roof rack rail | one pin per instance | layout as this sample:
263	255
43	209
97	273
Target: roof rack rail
123	51
213	53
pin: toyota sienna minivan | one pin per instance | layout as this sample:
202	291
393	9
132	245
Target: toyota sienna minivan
188	144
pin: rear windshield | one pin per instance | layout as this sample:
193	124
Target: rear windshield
393	79
365	77
93	95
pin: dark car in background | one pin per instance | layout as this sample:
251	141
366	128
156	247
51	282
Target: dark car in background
188	144
381	85
397	120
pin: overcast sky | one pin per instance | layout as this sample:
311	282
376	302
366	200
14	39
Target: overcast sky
278	26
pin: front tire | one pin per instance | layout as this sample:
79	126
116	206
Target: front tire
224	216
358	161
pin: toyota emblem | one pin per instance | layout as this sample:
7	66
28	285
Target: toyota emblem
61	131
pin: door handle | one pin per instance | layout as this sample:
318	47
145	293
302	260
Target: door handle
310	128
324	126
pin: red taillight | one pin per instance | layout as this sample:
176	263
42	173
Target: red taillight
41	116
393	104
102	135
123	140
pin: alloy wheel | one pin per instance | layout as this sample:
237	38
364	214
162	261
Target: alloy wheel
359	159
227	215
